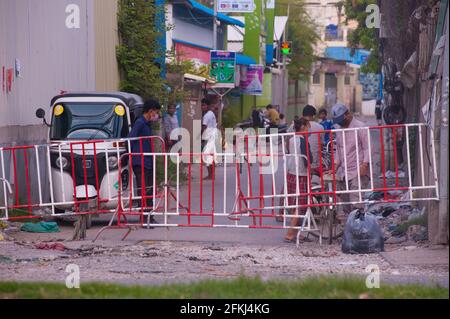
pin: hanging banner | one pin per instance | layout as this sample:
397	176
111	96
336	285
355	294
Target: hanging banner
245	6
252	83
223	66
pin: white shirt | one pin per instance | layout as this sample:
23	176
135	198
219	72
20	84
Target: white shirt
314	143
350	149
209	120
295	163
170	123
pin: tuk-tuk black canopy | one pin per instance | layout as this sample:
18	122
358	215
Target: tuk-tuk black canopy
133	101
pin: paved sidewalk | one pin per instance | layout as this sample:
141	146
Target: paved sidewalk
418	256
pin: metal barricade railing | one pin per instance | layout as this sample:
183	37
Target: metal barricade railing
62	178
244	187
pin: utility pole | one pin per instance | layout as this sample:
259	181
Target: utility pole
215	26
285	98
442	232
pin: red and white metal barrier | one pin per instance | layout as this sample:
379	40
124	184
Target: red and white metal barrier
247	189
66	178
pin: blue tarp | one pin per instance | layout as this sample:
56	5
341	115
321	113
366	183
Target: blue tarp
220	16
344	54
244	60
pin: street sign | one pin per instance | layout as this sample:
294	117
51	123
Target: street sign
223	65
252	83
245	6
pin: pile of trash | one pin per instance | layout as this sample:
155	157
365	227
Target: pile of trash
362	234
7	228
399	221
384	222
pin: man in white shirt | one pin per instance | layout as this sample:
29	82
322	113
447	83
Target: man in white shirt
348	161
309	112
209	134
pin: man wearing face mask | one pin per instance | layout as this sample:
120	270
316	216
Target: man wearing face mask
348	161
144	174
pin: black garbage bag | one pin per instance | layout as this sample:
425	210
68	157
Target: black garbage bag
362	234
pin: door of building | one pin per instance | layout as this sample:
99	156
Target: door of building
330	90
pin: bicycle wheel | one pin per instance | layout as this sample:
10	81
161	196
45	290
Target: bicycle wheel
330	228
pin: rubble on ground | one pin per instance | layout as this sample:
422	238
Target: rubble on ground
400	221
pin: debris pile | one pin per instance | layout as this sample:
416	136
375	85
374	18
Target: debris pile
4	227
400	221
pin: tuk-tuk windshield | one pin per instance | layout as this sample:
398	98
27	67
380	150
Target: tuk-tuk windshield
88	121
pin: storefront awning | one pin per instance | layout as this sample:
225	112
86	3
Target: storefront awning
197	78
244	59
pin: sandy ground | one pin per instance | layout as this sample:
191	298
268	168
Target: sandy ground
157	262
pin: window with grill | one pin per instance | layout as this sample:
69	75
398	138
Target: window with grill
316	78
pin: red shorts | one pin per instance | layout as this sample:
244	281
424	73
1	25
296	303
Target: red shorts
302	182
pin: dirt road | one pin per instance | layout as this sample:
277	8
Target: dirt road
158	262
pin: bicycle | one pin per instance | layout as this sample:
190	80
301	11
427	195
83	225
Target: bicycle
330	228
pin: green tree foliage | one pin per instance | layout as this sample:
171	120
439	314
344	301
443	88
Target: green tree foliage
139	50
302	33
362	36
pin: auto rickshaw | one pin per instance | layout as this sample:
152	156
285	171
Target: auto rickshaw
85	134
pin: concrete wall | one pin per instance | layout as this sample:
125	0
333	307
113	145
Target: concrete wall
106	40
316	94
52	58
349	94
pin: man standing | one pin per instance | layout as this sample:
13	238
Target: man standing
142	130
349	163
209	134
170	123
